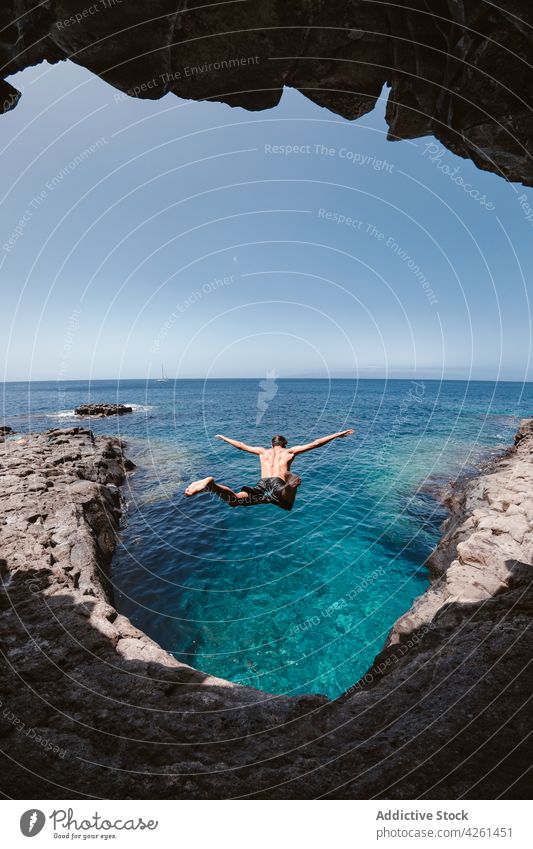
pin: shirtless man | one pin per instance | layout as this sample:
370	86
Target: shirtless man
277	485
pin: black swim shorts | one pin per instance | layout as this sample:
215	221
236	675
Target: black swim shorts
266	491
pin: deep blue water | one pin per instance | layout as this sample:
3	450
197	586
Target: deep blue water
288	602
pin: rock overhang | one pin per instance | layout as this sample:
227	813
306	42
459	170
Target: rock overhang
458	71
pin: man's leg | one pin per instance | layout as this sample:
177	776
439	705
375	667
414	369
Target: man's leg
224	492
288	493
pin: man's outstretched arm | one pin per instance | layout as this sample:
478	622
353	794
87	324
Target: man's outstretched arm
242	446
317	443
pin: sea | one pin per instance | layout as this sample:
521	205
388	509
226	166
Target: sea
285	602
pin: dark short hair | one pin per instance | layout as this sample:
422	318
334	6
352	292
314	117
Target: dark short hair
279	440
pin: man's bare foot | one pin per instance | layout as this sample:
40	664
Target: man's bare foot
199	486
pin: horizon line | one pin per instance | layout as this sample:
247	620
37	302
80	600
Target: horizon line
262	377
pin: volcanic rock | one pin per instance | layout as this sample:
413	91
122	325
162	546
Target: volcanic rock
457	70
92	707
102	410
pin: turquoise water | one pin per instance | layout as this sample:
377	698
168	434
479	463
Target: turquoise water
288	602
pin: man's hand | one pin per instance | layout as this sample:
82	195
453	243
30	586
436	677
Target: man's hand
344	433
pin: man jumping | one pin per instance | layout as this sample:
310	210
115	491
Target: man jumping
277	484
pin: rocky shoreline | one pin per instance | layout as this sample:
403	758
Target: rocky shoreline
93	708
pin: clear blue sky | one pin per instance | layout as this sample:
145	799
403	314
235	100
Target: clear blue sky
140	232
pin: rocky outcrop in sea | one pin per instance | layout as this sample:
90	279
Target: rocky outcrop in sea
92	707
102	410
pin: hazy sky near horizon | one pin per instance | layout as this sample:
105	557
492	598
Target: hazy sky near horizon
223	243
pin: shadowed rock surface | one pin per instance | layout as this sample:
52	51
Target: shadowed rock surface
458	70
102	410
91	707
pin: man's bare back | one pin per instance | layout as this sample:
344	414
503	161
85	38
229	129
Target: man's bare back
277	485
276	462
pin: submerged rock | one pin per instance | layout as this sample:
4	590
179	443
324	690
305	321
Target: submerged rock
93	706
102	410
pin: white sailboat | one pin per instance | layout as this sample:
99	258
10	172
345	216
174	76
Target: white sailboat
163	378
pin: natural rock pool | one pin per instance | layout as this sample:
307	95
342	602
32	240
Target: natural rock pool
285	602
297	602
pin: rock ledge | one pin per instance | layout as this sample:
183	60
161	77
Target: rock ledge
91	707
